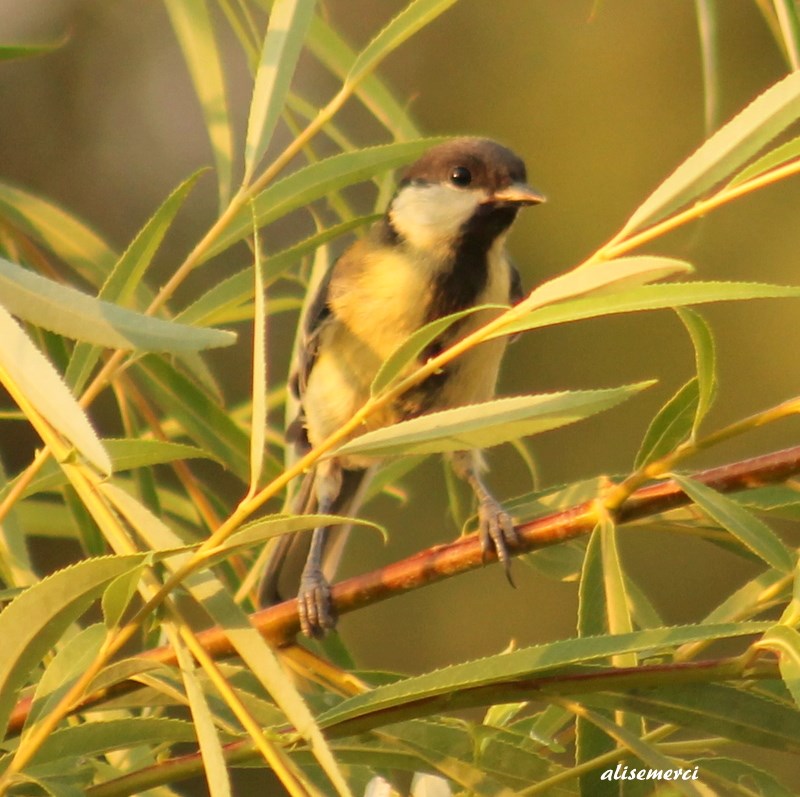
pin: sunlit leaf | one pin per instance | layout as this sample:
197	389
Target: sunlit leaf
288	24
488	424
648	297
67	311
194	29
413	17
719	156
29	377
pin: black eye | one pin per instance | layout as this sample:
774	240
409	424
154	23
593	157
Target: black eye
460	176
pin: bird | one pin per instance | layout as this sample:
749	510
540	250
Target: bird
438	249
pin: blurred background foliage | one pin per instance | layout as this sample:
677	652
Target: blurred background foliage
602	100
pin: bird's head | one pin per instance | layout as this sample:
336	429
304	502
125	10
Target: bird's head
463	182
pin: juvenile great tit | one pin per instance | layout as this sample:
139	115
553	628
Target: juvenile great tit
439	249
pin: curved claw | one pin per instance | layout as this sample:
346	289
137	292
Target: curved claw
314	605
497	533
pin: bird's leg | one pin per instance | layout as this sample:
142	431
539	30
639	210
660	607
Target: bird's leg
495	526
314	603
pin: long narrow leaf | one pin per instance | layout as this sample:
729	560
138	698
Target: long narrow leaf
288	25
194	29
29	376
315	181
69	312
128	274
488	424
63	234
413	17
34	622
731	146
648	297
746	527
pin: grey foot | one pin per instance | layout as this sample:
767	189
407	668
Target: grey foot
497	533
314	605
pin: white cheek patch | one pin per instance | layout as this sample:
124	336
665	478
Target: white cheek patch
428	216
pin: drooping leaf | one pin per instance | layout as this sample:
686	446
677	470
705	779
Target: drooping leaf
746	527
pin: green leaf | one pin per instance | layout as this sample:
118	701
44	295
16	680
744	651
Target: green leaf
125	455
771	160
592	619
33	623
212	306
747	528
488	424
408	351
715	709
598	279
214	768
203	419
645	752
258	415
741	138
785	641
786	13
63	234
225	612
590	742
128	274
647	297
27	374
119	594
671	426
413	17
288	24
259	531
705	355
12	51
732	773
194	29
313	182
67	311
95	738
70	662
337	56
457	685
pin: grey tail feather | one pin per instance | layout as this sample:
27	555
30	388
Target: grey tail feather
281	577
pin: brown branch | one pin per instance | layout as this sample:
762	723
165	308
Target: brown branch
280	623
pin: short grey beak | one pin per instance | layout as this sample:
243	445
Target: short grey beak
516	194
